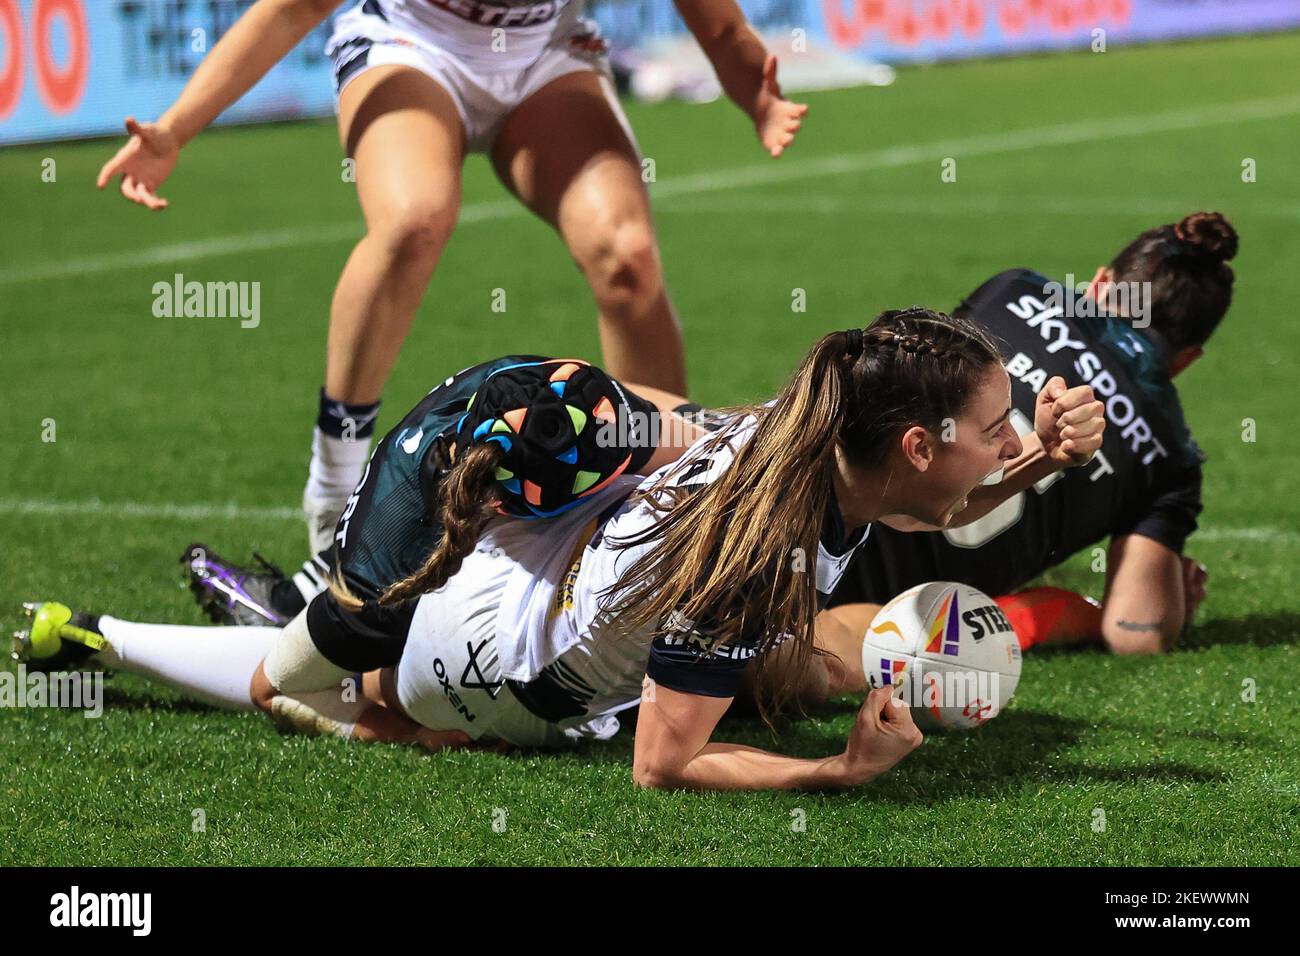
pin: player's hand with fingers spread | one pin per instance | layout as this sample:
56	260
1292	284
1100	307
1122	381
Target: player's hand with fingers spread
776	119
883	734
1069	422
144	163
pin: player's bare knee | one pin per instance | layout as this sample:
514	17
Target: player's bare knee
261	690
626	271
417	232
294	665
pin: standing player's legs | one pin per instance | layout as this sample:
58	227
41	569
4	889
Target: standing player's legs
564	152
408	142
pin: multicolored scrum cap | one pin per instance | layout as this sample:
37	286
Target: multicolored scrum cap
546	416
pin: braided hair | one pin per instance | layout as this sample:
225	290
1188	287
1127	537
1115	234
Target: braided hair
735	553
915	367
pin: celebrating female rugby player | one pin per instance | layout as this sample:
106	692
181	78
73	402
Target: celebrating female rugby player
659	591
421	83
1145	319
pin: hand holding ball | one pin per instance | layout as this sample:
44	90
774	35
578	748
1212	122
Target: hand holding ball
950	650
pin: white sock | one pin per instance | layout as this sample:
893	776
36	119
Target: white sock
214	664
312	579
336	467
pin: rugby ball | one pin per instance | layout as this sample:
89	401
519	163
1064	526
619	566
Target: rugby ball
949	650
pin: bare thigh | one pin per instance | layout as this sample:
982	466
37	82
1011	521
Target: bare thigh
565	153
405	137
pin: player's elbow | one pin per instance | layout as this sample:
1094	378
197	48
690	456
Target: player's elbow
319	8
712	33
1123	638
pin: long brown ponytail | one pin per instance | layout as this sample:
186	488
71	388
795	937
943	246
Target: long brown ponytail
738	556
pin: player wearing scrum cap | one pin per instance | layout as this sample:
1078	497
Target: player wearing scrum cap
390	523
421	84
659	590
543	436
1144	320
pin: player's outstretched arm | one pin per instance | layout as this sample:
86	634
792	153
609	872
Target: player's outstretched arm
1145	606
256	42
674	434
745	69
673	750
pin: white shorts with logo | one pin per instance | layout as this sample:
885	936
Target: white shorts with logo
449	677
487	70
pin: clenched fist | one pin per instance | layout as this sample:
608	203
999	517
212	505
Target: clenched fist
1069	422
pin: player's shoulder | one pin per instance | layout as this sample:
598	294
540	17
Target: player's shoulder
707	458
1141	368
998	290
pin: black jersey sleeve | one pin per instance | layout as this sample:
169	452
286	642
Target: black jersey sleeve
683	656
642	452
682	660
994	289
1170	517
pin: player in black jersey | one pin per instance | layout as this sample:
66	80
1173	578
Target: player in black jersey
709	566
1144	318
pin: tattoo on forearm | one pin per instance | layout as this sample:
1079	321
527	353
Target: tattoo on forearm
1138	626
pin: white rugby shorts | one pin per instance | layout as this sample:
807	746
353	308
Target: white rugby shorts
449	677
489	58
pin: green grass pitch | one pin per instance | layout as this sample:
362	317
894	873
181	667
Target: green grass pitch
160	424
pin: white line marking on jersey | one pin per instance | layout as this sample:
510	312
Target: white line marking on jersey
1061	134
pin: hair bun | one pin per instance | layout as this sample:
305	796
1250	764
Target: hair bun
1208	234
